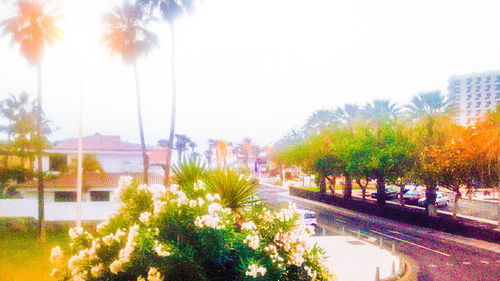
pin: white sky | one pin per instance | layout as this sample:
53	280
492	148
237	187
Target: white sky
259	68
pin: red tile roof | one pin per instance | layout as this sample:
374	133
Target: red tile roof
158	155
96	142
95	180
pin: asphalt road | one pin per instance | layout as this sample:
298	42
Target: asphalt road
435	259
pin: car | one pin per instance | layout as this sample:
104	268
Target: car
308	217
390	192
442	200
412	196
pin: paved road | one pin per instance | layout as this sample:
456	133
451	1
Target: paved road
436	260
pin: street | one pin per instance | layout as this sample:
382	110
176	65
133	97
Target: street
436	259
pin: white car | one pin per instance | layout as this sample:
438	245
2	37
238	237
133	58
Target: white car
442	200
308	217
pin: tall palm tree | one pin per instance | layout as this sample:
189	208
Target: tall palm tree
348	114
181	144
33	28
125	34
381	109
169	10
424	103
318	120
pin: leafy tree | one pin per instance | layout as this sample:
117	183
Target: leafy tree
33	28
319	120
90	164
380	110
125	34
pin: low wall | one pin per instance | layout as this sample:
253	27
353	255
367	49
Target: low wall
442	222
55	211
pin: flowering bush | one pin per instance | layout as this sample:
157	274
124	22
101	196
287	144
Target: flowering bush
161	233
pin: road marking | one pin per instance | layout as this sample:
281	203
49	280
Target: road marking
466	263
435	251
449	264
400	233
433	265
340	220
485	262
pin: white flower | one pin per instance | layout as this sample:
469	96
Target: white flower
161	249
248	226
208	221
102	225
252	241
254	270
123	183
97	270
214	208
143	187
57	257
144	217
154	274
158	191
75	232
159	207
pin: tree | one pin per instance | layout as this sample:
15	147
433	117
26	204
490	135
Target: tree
380	109
247	149
426	103
169	10
181	144
34	27
90	164
11	108
125	34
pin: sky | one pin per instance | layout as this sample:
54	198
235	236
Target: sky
255	68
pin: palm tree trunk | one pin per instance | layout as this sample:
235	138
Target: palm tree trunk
174	97
141	129
38	143
347	186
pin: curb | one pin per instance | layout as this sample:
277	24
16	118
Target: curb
451	239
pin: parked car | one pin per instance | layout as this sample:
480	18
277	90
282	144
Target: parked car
390	192
413	188
308	217
412	196
442	200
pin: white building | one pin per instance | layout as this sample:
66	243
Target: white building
473	94
115	155
97	187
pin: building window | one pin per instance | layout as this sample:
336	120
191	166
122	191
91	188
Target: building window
64	196
478	88
497	97
469	97
468	105
488	96
469	80
488	88
478	104
478	80
478	96
497	87
497	79
457	90
99	196
468	89
487	79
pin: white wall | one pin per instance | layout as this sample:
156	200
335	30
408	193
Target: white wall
56	211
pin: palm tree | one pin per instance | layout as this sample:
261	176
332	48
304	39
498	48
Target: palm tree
11	108
221	153
126	35
318	120
348	114
424	103
34	27
381	109
192	145
247	148
169	10
181	144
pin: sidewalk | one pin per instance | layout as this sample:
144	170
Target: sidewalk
355	260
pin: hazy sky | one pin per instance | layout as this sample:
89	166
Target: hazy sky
258	68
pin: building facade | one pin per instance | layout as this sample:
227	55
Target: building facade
474	94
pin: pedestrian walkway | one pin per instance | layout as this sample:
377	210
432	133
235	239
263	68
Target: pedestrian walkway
355	260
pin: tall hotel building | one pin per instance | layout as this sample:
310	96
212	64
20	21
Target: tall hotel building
474	94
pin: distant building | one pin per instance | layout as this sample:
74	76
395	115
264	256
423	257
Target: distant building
473	94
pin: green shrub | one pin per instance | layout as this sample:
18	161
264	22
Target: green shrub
161	233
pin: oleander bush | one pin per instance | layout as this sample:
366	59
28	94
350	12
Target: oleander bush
162	233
